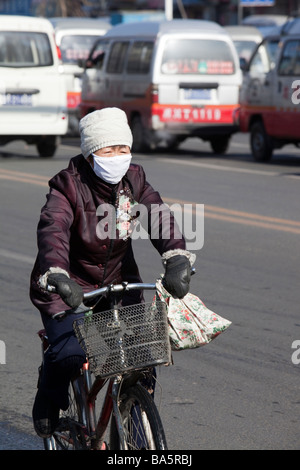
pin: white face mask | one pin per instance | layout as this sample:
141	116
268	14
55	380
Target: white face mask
111	169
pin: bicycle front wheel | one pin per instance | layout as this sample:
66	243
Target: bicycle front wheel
141	422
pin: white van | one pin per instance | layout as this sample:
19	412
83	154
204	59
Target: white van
267	24
75	38
174	79
32	90
245	39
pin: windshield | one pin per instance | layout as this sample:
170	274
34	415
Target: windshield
24	49
197	57
76	47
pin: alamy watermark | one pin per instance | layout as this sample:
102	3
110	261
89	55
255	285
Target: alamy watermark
296	354
2	352
159	221
296	93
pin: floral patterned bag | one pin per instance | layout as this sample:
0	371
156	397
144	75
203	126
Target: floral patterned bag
191	323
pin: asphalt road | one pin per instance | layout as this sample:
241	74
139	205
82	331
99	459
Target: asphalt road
242	390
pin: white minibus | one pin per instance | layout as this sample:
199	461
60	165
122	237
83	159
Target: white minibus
33	104
74	39
174	79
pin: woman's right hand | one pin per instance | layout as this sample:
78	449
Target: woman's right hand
70	292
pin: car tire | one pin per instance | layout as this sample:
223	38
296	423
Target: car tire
260	142
220	144
138	134
47	146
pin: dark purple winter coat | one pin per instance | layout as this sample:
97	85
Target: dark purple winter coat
68	230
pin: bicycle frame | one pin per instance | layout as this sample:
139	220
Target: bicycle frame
96	428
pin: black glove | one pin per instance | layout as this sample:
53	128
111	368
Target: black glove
177	276
70	292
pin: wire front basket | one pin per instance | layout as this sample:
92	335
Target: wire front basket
131	337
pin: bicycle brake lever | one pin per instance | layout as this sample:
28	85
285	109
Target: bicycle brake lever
50	288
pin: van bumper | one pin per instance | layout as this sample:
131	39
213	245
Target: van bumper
215	130
41	127
195	120
199	131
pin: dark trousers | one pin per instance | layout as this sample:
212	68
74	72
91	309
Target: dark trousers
62	360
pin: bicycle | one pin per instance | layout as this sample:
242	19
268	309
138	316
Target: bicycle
123	347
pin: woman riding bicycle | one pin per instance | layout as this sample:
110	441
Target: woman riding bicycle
84	242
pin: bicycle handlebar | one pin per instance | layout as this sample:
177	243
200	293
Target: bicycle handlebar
124	286
102	291
113	288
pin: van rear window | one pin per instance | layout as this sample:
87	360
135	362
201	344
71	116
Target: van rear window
24	49
197	57
76	47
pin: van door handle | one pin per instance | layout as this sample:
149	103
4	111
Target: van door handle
279	87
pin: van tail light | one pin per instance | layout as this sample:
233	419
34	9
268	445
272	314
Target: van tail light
58	52
154	93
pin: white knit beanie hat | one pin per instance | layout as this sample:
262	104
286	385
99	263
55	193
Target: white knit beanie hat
104	128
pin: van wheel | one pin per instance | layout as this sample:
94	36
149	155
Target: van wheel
47	146
175	142
138	134
261	143
220	144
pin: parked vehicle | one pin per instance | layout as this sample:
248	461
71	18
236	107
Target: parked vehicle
269	97
74	38
33	103
245	39
174	79
265	23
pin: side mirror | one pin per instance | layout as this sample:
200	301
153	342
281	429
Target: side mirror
243	64
81	63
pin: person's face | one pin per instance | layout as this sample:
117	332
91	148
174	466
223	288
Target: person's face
110	152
